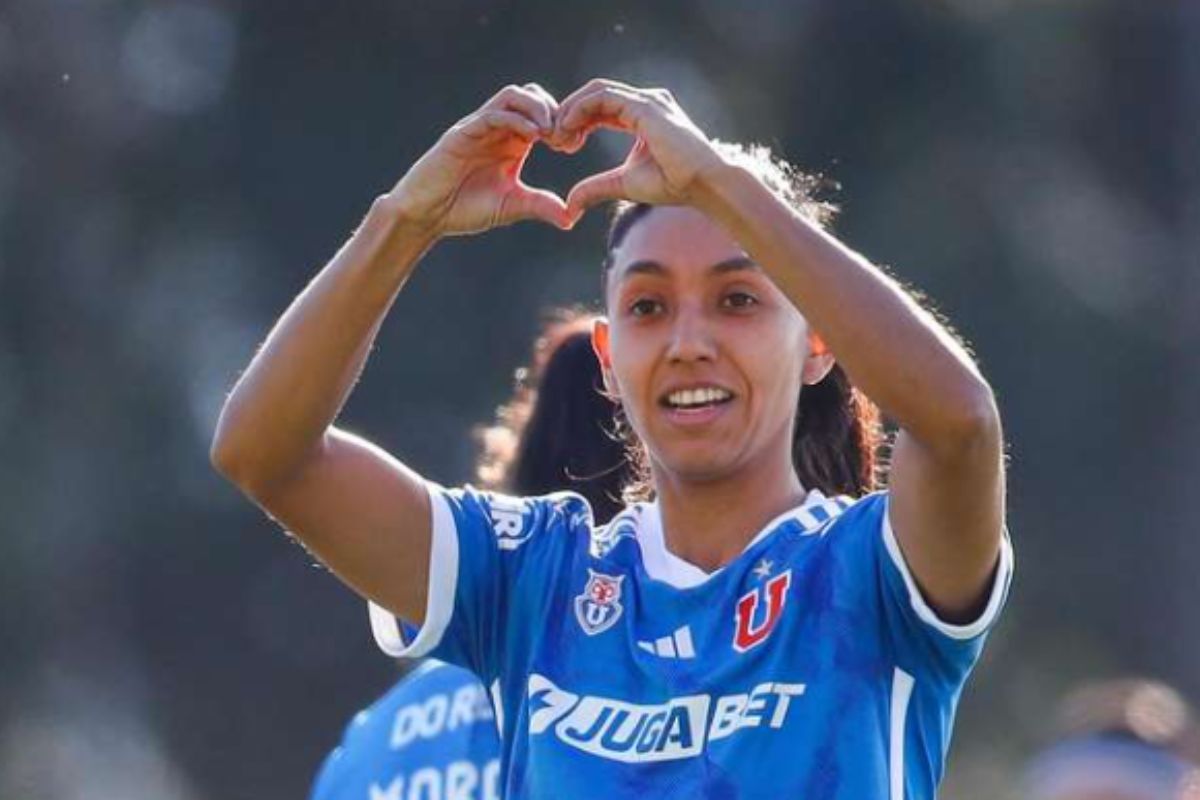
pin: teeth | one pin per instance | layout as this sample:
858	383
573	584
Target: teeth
698	397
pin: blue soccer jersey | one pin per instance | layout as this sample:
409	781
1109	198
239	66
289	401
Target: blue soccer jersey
431	737
808	667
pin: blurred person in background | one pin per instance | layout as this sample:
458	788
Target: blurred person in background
557	431
1131	739
434	733
764	623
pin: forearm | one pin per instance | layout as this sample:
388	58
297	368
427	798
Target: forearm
895	351
289	395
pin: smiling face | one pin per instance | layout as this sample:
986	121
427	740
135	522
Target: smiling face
705	353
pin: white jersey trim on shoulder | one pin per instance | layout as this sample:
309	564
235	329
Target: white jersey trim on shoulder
439	603
928	615
902	689
662	565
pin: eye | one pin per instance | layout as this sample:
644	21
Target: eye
739	300
644	307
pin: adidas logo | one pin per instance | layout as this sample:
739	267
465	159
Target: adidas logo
677	645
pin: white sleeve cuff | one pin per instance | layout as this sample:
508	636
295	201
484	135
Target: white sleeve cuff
926	614
439	603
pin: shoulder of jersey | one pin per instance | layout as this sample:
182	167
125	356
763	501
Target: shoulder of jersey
515	520
623	526
841	515
815	518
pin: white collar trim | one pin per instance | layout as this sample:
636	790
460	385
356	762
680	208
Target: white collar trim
663	565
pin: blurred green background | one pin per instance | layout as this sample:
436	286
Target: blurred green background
172	172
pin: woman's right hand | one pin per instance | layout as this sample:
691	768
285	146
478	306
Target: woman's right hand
470	180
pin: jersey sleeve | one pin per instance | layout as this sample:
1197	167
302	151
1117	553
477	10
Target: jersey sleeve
920	638
492	560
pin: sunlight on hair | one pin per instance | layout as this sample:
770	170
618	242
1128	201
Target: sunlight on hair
795	187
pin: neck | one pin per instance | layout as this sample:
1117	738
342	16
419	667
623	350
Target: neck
708	523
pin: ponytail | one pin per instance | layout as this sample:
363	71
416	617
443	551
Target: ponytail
836	442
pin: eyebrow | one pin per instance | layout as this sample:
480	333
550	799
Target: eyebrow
651	267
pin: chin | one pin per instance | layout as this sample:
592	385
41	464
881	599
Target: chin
696	467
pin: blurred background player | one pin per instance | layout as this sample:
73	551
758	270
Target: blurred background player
1128	739
557	431
434	733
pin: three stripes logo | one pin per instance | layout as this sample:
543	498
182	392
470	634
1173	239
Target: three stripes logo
676	645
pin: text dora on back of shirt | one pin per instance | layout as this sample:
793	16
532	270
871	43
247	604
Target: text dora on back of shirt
440	713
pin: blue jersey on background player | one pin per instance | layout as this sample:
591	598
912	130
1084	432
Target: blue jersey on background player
808	667
431	737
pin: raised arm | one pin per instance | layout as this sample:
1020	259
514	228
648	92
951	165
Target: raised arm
362	512
947	478
946	482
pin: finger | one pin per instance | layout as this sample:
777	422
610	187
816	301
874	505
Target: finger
540	91
548	102
562	142
599	188
524	101
483	123
571	142
593	86
659	94
526	202
552	105
618	107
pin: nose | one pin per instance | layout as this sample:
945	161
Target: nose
691	337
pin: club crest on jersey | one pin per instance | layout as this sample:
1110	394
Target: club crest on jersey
752	627
599	606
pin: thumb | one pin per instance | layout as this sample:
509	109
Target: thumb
527	203
599	188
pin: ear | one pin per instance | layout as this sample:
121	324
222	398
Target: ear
820	360
600	332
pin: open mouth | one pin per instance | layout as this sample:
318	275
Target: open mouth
696	399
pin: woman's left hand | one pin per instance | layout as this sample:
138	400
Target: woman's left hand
670	157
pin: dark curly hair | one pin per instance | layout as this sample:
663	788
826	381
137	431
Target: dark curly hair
556	432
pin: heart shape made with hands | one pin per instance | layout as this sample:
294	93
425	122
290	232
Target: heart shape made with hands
638	178
563	210
591	188
472	180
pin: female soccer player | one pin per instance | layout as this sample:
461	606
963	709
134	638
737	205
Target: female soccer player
743	635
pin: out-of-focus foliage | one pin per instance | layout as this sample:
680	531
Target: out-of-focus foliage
172	173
